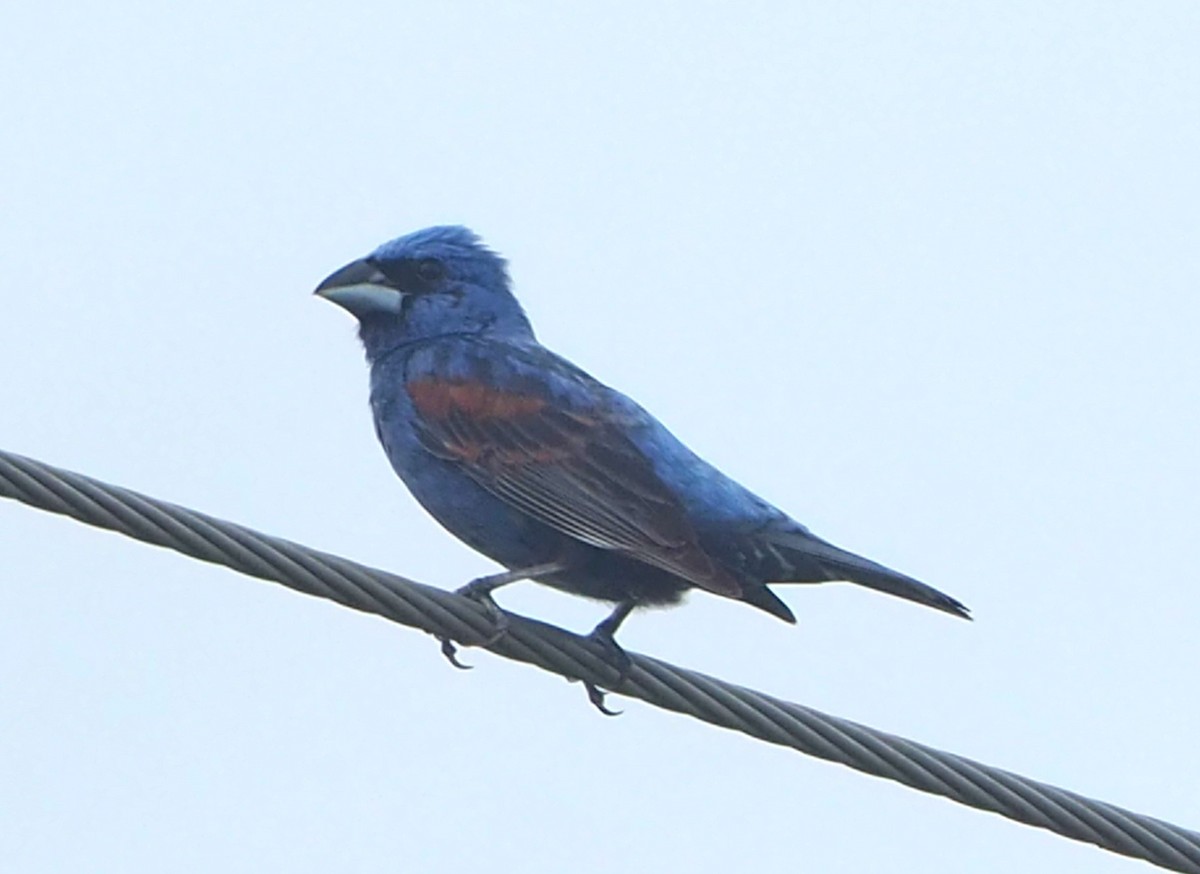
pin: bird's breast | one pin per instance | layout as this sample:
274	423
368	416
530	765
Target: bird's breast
463	507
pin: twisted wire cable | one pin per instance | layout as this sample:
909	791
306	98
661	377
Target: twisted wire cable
447	615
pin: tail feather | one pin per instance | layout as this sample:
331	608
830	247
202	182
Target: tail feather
809	559
764	599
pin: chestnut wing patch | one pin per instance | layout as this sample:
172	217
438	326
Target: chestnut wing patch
576	472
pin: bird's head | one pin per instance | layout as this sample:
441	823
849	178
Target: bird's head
430	283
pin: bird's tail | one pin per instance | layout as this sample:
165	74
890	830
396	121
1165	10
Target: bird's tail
809	559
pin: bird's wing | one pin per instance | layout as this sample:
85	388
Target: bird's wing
573	470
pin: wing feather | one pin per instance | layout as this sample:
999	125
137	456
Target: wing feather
576	472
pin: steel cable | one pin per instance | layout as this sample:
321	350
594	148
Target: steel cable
447	615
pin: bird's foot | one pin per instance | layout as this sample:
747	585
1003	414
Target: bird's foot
479	591
613	656
596	696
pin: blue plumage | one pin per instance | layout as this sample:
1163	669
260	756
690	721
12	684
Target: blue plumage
534	463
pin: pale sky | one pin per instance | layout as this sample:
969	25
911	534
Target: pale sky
924	275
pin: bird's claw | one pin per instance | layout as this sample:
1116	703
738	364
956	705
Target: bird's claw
614	657
596	696
481	593
450	651
483	597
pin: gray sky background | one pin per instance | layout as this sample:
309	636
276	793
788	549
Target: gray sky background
925	275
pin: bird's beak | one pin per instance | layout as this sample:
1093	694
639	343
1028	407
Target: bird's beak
362	289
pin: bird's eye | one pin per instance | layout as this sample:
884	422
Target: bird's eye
429	269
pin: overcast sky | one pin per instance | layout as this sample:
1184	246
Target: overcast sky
925	275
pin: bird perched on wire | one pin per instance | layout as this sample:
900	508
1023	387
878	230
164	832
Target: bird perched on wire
549	472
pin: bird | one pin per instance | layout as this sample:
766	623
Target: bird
546	470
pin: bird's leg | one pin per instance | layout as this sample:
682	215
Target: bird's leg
603	634
480	591
481	588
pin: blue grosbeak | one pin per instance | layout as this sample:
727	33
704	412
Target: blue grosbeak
554	475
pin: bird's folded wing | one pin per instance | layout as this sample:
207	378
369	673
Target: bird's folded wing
574	471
